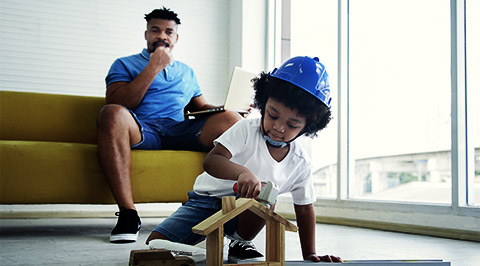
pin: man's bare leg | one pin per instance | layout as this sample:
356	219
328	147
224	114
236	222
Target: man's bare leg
117	131
216	125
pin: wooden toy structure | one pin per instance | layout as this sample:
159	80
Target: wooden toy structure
276	225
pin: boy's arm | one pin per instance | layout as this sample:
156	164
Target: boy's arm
306	229
217	163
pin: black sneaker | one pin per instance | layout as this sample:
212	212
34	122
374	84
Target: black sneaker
242	250
127	227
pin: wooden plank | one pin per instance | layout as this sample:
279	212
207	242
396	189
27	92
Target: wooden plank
242	204
275	242
397	262
268	214
376	263
218	219
215	247
352	263
147	257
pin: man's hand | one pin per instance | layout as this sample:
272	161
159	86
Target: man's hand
160	58
249	111
325	258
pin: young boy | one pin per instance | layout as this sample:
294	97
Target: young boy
293	100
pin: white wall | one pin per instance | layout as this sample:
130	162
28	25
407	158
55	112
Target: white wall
68	46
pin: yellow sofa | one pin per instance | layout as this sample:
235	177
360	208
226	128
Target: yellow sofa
48	154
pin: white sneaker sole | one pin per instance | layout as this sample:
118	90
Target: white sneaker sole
243	260
124	237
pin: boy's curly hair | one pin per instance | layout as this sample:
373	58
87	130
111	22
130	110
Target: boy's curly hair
164	13
317	114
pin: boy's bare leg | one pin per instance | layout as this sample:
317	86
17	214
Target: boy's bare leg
155	235
249	225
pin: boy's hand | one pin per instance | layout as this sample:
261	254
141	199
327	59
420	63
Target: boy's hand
248	185
325	258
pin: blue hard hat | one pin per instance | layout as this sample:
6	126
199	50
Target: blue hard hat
307	73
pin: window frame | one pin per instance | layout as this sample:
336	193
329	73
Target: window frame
461	167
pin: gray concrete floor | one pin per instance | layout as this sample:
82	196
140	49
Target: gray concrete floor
84	241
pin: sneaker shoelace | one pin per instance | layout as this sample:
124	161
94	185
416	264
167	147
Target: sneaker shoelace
247	245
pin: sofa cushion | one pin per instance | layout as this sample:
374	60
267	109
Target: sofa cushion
59	172
49	117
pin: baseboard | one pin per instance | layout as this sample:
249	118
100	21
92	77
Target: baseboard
8	211
396	227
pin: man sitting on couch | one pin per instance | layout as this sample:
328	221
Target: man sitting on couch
147	95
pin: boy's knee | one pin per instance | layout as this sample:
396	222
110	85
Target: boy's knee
220	122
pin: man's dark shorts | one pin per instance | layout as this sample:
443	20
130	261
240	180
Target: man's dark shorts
168	134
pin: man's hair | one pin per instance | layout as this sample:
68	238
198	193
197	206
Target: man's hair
164	13
317	114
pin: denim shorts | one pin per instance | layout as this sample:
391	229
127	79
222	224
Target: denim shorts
168	134
178	226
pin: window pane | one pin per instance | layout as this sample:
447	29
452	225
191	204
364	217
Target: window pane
400	100
314	33
473	92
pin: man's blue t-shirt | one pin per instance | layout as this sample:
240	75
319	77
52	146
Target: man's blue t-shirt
171	90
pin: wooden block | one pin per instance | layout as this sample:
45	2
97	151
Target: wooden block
275	242
147	257
215	247
212	227
228	204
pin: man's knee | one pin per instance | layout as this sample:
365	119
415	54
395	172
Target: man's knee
110	111
110	115
227	119
216	125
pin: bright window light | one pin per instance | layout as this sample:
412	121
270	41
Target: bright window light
400	100
313	32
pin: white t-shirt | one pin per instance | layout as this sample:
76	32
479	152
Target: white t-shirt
245	142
